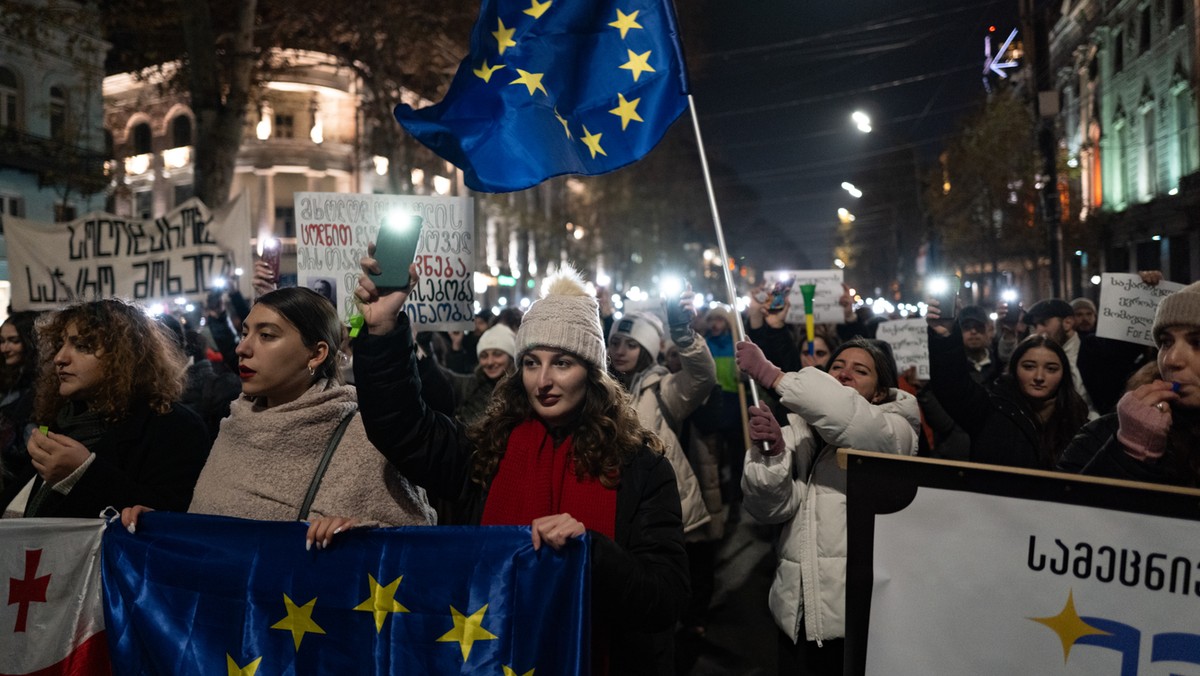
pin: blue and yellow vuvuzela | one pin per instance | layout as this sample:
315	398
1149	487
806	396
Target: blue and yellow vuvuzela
557	87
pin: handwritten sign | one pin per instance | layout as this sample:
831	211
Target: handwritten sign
334	229
101	255
909	339
1127	307
825	301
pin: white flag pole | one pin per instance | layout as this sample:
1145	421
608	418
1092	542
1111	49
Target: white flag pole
740	332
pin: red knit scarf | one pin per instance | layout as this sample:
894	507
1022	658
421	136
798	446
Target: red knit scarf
537	479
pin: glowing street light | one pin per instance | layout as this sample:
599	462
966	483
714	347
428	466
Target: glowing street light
862	121
845	216
849	187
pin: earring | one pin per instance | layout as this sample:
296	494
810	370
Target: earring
312	371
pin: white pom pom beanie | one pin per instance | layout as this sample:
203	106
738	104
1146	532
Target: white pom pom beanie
567	318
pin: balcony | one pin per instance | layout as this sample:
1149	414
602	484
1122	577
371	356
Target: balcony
56	163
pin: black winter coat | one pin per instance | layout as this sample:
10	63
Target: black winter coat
146	459
1002	428
1096	451
639	578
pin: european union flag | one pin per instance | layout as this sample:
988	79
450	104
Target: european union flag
191	594
557	87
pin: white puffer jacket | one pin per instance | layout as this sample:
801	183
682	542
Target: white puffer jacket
681	393
805	489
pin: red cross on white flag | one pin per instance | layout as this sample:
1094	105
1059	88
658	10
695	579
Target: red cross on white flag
51	612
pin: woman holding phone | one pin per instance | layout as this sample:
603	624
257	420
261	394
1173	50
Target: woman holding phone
559	449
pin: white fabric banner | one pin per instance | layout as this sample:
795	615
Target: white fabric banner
50	582
101	256
334	229
967	583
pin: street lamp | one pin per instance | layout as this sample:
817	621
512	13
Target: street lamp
844	215
862	121
849	187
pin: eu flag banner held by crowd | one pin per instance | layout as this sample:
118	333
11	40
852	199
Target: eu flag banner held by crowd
557	87
191	594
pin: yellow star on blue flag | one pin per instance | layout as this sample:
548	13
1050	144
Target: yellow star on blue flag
575	59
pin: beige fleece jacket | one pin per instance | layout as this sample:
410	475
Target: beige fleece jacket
263	459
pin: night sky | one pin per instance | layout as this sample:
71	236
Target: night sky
775	82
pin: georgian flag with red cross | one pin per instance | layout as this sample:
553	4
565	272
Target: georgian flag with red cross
51	613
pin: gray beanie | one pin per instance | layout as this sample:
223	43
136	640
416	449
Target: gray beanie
567	317
1179	308
643	327
1083	302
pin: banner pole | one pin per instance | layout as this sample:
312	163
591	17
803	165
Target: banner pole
739	331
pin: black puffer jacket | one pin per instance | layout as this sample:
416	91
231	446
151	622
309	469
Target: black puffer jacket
639	578
1002	428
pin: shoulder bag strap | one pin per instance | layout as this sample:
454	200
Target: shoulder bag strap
322	466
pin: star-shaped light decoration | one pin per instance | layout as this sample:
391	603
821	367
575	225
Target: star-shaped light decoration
592	141
467	630
1069	626
625	22
532	81
299	620
537	9
637	64
235	670
504	36
382	601
485	71
627	110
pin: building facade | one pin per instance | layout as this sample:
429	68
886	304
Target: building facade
1126	74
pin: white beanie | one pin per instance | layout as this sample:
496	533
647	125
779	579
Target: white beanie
643	327
499	337
567	318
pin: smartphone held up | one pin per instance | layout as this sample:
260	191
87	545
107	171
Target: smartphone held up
944	289
270	256
395	250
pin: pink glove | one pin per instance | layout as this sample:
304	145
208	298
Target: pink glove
752	362
1143	429
764	427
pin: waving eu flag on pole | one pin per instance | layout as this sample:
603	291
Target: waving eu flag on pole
557	87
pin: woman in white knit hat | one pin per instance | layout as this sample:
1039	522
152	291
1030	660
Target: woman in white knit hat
559	449
1154	435
663	400
497	352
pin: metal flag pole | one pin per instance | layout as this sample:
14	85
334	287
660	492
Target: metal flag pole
740	332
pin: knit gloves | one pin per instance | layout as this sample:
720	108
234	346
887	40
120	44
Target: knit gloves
765	428
1143	429
752	362
679	319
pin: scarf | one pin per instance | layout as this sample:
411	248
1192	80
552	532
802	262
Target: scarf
536	478
75	421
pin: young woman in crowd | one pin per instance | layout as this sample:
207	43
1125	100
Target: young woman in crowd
796	481
559	449
663	399
496	352
1154	435
293	405
18	371
109	377
1027	417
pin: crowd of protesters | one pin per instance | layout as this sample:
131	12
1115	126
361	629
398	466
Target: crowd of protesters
571	418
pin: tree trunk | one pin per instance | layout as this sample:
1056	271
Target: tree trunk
220	107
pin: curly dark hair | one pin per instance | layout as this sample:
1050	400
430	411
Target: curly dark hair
139	362
22	375
605	432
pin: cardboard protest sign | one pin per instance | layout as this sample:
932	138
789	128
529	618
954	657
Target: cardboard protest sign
825	301
1127	307
180	254
334	229
909	339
